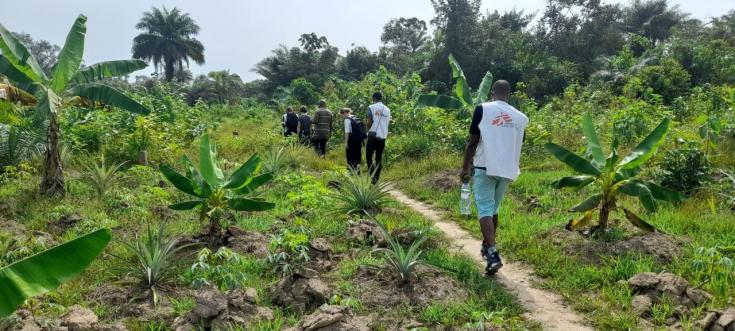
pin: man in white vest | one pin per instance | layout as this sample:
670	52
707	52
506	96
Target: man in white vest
493	153
378	119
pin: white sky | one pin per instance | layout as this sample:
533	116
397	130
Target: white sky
238	34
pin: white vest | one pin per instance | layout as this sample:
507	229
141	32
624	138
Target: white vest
501	137
380	115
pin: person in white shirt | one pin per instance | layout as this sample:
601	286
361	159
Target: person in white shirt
493	152
378	121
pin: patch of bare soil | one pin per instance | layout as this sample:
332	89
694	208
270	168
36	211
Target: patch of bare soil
380	287
445	180
663	247
247	242
132	301
64	223
301	291
333	318
219	311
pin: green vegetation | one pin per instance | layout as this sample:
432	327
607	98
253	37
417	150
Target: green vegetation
282	234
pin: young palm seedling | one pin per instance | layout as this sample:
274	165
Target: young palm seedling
357	193
101	176
404	261
612	175
154	257
215	192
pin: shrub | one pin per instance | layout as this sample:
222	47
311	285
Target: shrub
155	259
304	91
223	268
668	79
357	193
288	251
684	169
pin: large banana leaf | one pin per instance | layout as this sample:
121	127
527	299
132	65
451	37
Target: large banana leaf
661	193
461	89
589	204
17	77
483	92
45	271
647	148
182	183
439	101
573	181
593	142
109	96
575	161
186	205
638	222
49	102
107	69
254	183
70	57
243	204
15	94
19	56
241	175
574	225
208	165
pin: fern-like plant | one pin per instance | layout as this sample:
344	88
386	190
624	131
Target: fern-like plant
101	176
357	193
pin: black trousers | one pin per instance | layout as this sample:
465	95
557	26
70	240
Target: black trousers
354	155
374	148
320	144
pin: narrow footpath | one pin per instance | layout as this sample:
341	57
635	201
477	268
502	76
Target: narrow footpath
543	306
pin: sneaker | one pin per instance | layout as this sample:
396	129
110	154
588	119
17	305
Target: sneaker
483	252
493	263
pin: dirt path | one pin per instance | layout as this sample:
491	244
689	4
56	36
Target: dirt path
543	306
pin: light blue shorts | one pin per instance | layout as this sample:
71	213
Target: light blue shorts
489	192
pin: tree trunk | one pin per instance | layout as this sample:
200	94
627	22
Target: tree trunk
52	183
604	215
169	70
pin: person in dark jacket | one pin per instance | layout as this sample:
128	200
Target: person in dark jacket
304	127
353	144
322	123
290	122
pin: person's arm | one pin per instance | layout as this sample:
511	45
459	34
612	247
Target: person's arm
369	118
348	130
472	142
298	127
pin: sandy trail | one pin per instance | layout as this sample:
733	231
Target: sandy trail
543	306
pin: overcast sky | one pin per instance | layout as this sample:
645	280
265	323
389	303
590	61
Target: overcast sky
238	34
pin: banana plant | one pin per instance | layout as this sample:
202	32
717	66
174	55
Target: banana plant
46	270
461	98
612	175
68	80
215	192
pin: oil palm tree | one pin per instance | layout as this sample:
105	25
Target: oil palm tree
68	82
168	40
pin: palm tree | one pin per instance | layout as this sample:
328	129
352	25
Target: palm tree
168	40
653	19
68	82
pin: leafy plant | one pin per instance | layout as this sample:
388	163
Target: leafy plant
288	251
214	191
277	160
612	175
101	176
155	259
45	271
223	268
358	193
714	264
684	169
461	98
403	260
68	83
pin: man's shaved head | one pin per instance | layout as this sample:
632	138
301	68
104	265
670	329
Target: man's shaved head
501	90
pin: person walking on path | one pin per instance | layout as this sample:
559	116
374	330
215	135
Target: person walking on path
493	152
304	127
290	122
322	123
354	137
378	120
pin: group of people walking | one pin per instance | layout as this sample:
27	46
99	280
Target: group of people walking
317	130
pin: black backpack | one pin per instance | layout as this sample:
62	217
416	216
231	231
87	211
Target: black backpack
358	129
292	121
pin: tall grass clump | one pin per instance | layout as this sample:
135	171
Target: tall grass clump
101	176
403	261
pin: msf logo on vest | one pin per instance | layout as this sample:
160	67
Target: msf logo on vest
503	120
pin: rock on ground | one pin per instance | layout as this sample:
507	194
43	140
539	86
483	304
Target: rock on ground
301	291
332	318
218	311
79	318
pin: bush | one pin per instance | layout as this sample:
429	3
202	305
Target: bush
668	79
684	169
304	91
224	269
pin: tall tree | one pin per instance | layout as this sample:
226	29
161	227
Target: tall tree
67	80
405	43
457	23
45	52
168	40
652	18
358	62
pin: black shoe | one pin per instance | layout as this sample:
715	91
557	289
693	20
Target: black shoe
494	263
